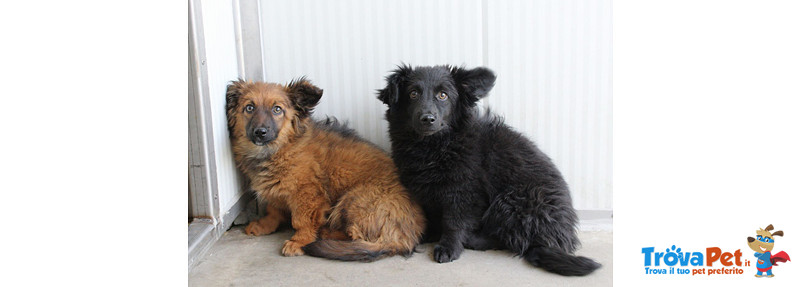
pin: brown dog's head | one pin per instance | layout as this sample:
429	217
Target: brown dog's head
765	241
264	116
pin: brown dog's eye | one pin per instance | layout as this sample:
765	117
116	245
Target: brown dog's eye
413	95
441	96
277	110
249	108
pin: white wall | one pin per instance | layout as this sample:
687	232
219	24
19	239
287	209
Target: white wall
552	58
553	64
347	48
221	58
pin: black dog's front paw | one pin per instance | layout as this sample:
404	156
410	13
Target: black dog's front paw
444	254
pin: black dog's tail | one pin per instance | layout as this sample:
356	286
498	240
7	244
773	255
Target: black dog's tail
357	250
557	261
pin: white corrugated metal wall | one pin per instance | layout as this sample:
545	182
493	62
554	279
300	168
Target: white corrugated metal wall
552	58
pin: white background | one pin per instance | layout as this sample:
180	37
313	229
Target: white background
94	137
706	121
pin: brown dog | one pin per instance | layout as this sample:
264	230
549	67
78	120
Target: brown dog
318	174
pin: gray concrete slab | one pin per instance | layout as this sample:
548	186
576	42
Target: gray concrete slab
241	260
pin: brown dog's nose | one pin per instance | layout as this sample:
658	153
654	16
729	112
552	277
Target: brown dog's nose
260	132
750	239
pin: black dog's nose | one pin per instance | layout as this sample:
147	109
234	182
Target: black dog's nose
260	132
750	239
427	119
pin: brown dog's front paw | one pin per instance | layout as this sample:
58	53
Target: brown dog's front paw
292	248
258	228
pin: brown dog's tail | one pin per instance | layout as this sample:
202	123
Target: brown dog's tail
356	250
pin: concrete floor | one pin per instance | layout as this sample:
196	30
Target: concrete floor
241	260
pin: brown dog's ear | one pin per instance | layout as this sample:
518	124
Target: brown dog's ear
473	84
769	227
778	233
304	95
390	95
235	90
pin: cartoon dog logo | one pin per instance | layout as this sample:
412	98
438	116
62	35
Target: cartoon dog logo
762	245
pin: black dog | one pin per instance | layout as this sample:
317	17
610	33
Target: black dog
482	185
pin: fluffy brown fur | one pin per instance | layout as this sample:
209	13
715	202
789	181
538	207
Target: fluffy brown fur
319	176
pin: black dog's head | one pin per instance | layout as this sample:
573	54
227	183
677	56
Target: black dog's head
432	99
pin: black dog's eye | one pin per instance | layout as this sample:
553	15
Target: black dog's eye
277	110
249	108
413	95
441	96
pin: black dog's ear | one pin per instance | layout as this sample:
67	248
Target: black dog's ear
304	95
473	84
390	95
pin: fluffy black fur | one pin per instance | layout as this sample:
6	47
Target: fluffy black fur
482	185
332	124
